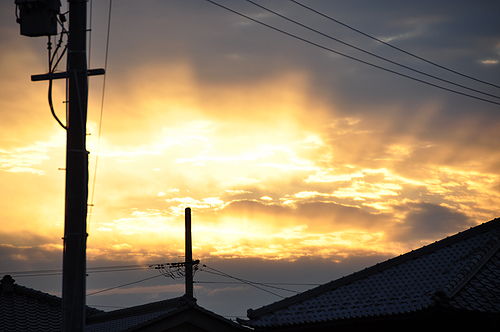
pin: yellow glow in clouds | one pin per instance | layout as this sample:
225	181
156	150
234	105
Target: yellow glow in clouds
267	169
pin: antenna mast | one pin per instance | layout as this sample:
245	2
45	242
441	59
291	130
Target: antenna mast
189	255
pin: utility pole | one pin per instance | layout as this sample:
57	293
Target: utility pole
189	255
40	18
75	218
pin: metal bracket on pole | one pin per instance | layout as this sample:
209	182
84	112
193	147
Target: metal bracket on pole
64	74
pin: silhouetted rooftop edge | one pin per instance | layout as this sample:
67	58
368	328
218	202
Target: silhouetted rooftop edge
440	296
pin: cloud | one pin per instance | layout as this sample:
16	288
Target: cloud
426	221
29	251
489	62
282	150
326	216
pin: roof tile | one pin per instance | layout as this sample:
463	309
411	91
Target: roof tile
464	268
26	309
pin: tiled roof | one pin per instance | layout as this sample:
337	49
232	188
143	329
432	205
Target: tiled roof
136	318
123	319
460	272
26	309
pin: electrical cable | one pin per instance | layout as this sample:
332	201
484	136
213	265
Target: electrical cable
123	285
89	269
253	283
243	317
393	46
250	283
119	267
152	266
52	69
60	58
60	20
264	283
371	53
88	272
106	53
37	275
51	105
96	269
29	272
351	57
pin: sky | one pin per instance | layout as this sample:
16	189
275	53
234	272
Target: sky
300	165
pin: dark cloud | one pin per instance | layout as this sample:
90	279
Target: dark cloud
28	251
425	221
316	215
222	51
223	47
307	270
331	215
227	299
233	298
24	239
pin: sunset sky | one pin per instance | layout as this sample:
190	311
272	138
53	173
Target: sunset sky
300	165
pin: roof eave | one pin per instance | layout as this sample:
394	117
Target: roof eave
485	227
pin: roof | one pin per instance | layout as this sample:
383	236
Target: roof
461	272
123	319
26	309
139	317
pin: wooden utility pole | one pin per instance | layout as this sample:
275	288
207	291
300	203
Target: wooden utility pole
40	18
75	218
189	255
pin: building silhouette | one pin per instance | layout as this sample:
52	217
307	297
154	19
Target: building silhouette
452	284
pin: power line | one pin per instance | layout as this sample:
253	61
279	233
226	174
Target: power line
234	316
252	283
393	46
162	267
264	283
351	57
14	273
91	205
37	275
59	272
248	282
53	67
165	268
371	53
123	285
96	269
118	267
119	270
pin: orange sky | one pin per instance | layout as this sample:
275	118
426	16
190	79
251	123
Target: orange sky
270	167
282	151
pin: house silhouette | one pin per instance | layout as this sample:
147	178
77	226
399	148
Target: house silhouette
452	284
27	309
